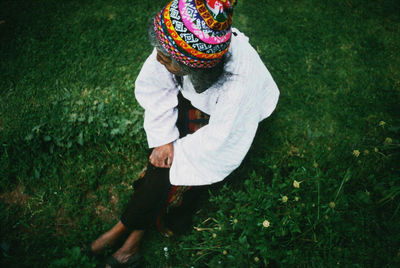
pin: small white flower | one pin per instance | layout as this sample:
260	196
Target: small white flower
296	184
388	140
266	224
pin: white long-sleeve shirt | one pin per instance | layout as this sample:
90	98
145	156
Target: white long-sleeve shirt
236	107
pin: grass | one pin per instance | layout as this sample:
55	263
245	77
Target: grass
72	140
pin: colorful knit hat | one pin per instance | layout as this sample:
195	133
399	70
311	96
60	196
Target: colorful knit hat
196	33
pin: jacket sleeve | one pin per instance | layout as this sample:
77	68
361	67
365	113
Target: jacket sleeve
215	150
156	92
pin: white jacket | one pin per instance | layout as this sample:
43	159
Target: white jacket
235	108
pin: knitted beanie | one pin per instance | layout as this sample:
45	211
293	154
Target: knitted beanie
196	33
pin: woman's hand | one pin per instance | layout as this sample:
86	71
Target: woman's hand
162	156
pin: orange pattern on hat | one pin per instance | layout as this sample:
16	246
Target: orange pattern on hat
209	19
180	42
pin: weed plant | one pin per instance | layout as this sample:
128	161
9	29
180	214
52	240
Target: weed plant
319	188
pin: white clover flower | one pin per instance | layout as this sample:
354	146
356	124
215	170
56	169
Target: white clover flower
284	199
388	140
356	153
296	184
332	205
266	224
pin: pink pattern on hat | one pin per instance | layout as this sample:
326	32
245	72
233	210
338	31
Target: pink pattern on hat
203	36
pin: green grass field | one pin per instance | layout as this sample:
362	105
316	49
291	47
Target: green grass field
72	140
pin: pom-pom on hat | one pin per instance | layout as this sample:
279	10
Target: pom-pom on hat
196	33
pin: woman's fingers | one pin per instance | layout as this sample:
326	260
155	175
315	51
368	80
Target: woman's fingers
162	156
158	161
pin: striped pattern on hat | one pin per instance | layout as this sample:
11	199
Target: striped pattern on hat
196	33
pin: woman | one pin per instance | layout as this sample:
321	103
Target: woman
204	90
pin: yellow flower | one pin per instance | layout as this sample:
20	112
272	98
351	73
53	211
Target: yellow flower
235	221
296	198
376	150
356	153
214	235
382	123
315	165
224	252
388	140
332	205
266	224
284	199
256	259
296	184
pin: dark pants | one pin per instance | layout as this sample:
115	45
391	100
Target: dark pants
150	192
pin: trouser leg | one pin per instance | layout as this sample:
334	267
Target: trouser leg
149	195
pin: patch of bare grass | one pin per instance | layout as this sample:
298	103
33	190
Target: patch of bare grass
15	197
